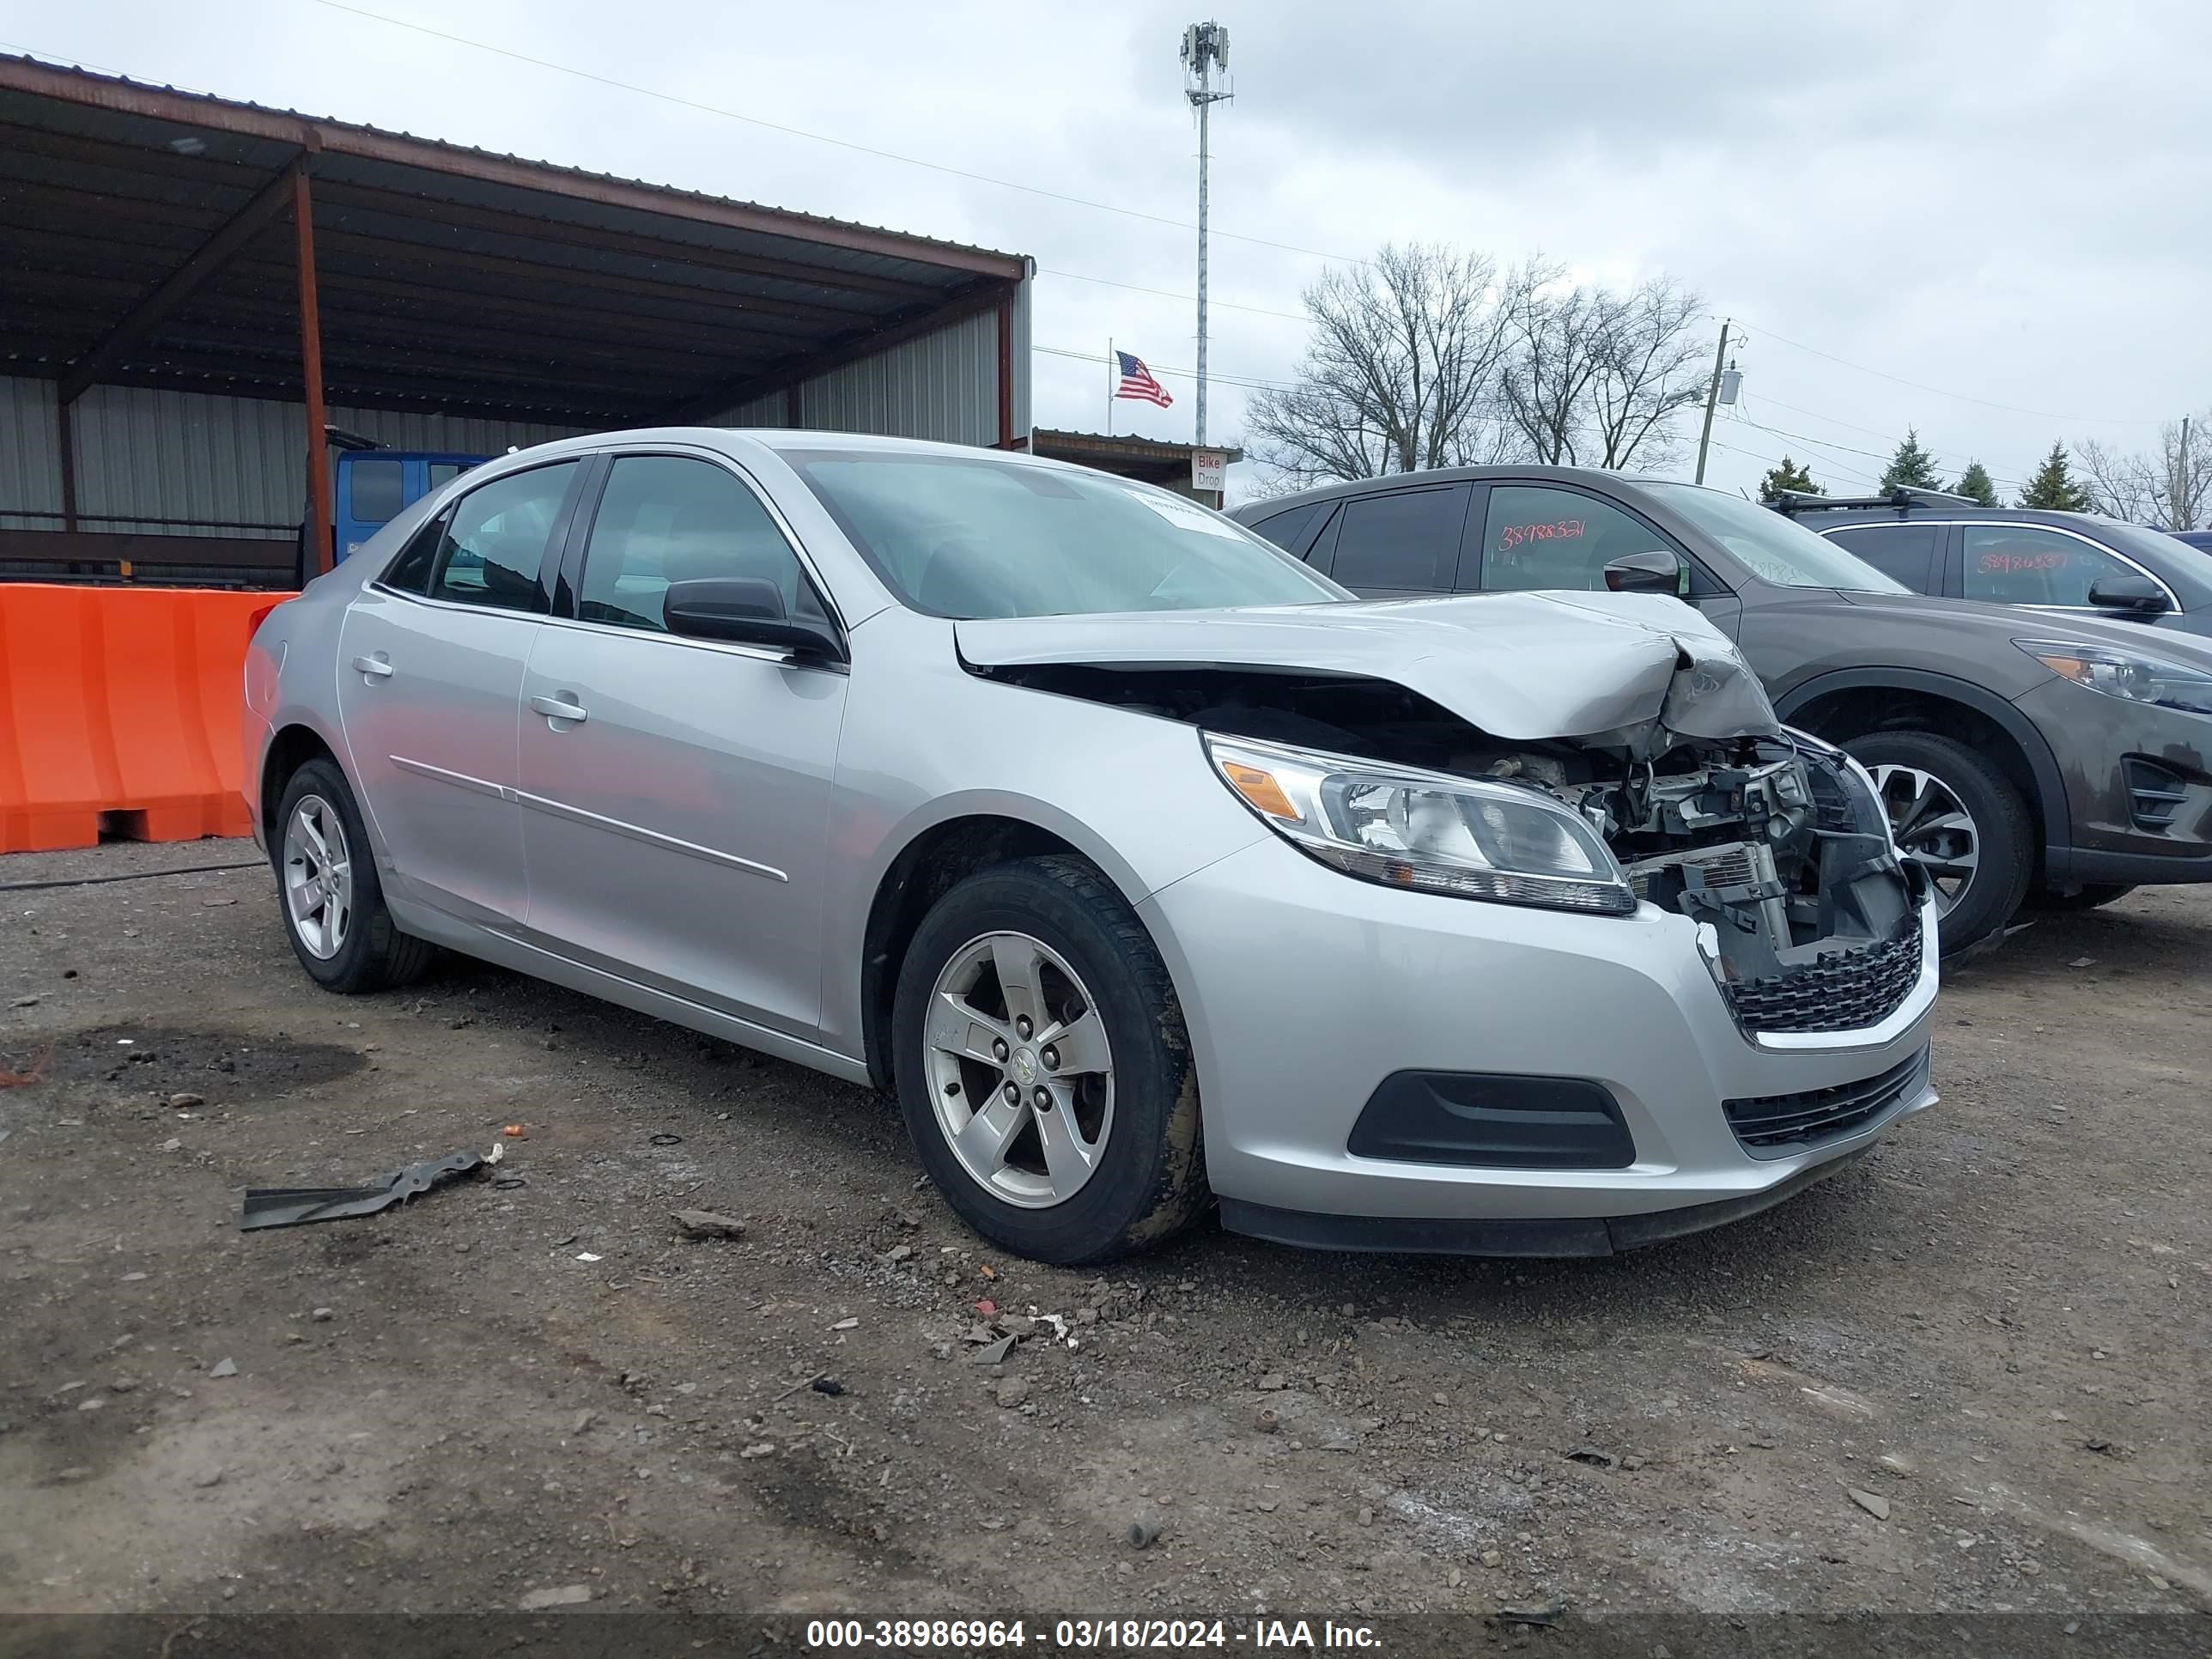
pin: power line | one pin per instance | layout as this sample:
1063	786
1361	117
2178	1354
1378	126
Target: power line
1953	456
1880	374
1807	437
1164	293
815	137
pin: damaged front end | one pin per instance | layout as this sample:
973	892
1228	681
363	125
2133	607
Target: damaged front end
1691	798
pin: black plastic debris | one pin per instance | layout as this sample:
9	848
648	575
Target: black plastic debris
293	1206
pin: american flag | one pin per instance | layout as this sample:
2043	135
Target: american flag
1137	382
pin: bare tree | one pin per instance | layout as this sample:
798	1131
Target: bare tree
1557	352
1651	363
2169	489
1400	375
1596	376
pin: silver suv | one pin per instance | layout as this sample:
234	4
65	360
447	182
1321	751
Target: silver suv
1146	869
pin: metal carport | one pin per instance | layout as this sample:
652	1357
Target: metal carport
192	288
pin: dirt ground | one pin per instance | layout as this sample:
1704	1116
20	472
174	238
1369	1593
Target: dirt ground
1969	1374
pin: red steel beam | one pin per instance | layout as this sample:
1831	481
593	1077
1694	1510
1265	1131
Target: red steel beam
321	527
180	284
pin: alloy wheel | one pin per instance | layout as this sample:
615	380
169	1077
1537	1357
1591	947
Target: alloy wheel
1930	823
318	877
1021	1075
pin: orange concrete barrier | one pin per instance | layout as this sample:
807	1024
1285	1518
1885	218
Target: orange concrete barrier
120	713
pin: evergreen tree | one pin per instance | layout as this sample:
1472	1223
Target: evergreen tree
2053	487
1911	465
1975	482
1788	476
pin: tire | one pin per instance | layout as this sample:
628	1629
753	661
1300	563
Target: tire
368	951
2084	899
2002	832
1022	1180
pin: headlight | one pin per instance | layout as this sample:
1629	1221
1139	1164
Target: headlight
2136	676
1425	831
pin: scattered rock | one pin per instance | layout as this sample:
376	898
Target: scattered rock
29	1002
1873	1503
172	1145
846	1325
2082	962
92	1403
828	1385
759	1449
1366	1515
1591	1456
1272	1381
1899	1463
223	1368
705	1223
907	1219
1493	1559
184	1101
563	1596
1013	1391
208	1478
1266	1420
899	1253
322	1316
583	1422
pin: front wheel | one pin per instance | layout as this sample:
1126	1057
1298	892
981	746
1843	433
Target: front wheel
1043	1068
1953	809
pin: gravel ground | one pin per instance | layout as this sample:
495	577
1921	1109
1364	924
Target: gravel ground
1967	1375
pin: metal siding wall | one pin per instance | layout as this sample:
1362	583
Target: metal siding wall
761	411
30	459
170	455
944	386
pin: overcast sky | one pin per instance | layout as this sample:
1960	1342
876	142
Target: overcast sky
2003	202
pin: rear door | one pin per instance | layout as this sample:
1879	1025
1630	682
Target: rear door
675	792
429	669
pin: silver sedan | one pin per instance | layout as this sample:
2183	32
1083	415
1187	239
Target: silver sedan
1148	871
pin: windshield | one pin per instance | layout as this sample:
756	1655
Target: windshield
965	537
1772	547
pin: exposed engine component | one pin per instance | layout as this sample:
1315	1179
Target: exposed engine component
1771	841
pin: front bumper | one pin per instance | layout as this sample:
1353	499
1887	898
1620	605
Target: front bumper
1304	989
2138	783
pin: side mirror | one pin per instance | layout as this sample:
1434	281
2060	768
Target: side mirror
1656	572
747	610
2137	595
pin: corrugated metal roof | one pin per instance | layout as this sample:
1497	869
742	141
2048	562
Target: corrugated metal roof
452	280
554	171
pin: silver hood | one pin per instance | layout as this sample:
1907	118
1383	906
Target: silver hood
1520	666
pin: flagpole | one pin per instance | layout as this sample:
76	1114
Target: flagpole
1109	385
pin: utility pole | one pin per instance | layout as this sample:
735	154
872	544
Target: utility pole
1113	381
1205	49
2183	507
1712	397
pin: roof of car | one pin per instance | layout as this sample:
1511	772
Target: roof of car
1251	511
1818	517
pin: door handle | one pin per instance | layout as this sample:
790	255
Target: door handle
375	667
560	708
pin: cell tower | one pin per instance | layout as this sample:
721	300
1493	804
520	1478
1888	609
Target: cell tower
1205	51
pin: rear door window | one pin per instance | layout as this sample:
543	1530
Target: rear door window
1286	530
490	547
1903	551
2034	565
1536	536
1400	542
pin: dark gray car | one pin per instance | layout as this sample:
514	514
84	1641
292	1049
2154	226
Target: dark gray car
2054	758
2070	562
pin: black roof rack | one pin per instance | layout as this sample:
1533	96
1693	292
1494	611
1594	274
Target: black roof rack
1902	498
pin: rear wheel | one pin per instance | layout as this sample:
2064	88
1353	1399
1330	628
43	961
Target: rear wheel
1959	815
1042	1066
328	891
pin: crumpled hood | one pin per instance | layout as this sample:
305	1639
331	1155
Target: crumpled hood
1521	666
